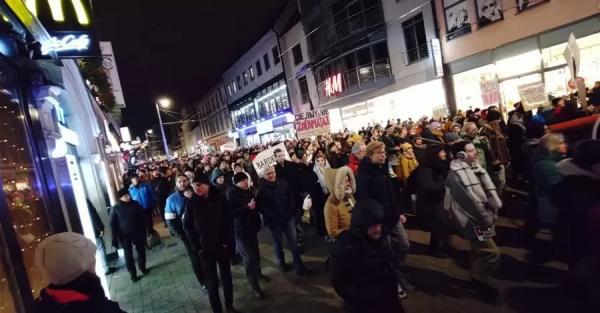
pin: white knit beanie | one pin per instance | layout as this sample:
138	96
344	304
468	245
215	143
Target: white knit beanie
65	256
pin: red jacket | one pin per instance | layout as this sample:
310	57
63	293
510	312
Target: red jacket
353	163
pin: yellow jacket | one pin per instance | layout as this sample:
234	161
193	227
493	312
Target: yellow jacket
338	207
407	166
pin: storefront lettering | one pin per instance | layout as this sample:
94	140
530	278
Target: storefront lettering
57	10
66	43
333	85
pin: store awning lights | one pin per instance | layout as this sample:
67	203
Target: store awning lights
280	88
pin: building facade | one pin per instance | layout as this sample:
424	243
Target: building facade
373	60
214	121
492	48
258	96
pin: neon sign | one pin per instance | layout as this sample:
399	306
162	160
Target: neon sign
66	43
333	85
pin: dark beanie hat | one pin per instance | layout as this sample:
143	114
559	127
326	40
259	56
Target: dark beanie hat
239	176
587	153
122	192
367	213
201	179
493	115
459	146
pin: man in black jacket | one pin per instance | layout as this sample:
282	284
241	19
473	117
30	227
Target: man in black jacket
276	203
208	223
99	234
128	225
162	188
247	225
361	263
374	182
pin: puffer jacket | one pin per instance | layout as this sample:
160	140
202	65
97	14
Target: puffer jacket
338	208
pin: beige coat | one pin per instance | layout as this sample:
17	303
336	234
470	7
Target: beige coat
338	207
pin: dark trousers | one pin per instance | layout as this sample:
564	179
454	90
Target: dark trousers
209	264
128	242
248	249
440	236
289	230
162	202
195	260
149	221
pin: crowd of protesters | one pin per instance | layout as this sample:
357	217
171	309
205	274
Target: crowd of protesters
449	173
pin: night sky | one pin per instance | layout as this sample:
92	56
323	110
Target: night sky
177	48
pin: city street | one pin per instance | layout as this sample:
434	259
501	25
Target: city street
442	284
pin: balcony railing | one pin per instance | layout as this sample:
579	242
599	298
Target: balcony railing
417	54
358	78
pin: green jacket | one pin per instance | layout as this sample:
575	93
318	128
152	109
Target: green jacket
544	172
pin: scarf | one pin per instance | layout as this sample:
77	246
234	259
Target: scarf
478	183
320	171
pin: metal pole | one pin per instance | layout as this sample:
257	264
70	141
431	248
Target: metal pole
162	131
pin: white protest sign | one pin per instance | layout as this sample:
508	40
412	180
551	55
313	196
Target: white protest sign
533	95
267	157
312	123
573	56
490	92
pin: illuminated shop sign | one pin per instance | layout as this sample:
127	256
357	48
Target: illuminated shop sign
67	43
333	85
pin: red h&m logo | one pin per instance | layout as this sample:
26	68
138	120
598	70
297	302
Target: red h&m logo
333	85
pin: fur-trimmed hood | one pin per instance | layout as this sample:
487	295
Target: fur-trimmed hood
334	179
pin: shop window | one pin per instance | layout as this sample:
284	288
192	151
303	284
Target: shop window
258	68
304	93
21	185
467	88
267	62
415	39
276	58
297	52
519	64
509	89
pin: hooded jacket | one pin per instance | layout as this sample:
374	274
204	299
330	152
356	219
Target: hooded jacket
338	208
430	180
144	194
361	268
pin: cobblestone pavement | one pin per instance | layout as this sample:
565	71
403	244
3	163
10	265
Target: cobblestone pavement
442	284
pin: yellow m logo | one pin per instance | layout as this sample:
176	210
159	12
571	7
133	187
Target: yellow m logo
56	9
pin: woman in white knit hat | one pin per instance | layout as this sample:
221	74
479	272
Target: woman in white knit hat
67	261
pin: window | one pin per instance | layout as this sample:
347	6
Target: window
258	68
229	90
239	84
276	58
233	86
304	89
245	78
267	63
251	71
415	39
297	52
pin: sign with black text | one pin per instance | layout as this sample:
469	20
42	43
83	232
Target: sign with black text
267	157
312	123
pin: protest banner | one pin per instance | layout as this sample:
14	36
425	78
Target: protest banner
490	92
312	123
267	157
533	95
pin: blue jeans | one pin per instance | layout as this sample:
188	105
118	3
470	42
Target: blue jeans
289	230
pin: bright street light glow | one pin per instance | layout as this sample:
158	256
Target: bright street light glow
150	131
164	102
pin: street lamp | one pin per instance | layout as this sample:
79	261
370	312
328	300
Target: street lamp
150	131
165	103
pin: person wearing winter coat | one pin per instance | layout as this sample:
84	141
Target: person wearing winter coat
208	223
356	155
276	203
362	273
430	179
341	201
473	204
162	188
374	182
217	179
67	261
129	225
142	192
319	192
174	210
419	148
498	143
408	162
247	224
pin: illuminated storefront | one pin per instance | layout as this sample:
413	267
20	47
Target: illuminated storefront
53	154
535	59
265	115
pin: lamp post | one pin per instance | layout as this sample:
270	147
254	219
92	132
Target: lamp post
163	102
